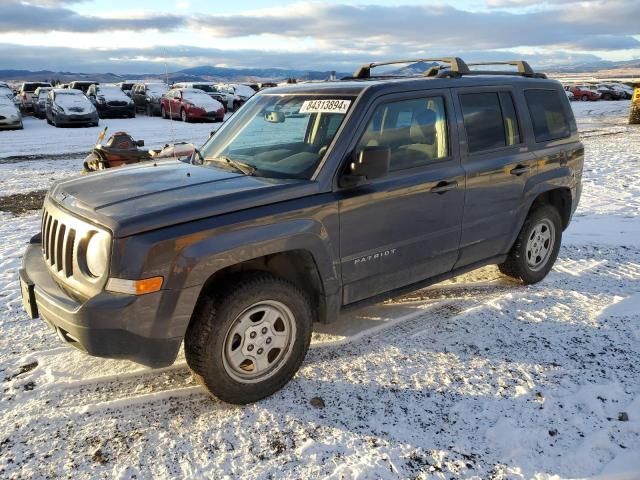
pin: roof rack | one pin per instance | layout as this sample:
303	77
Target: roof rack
456	65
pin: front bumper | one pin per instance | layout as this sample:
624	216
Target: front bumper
10	124
146	329
76	119
106	110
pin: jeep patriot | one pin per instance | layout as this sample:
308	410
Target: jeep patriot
312	199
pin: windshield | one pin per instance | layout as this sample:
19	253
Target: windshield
204	87
282	136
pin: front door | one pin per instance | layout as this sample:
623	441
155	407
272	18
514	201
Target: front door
497	164
404	227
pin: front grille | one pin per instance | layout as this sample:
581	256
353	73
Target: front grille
117	103
58	244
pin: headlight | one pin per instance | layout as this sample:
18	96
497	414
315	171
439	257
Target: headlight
97	254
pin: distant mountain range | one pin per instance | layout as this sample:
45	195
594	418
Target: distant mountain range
210	73
195	74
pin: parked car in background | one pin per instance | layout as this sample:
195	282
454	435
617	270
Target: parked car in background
238	100
607	93
67	106
583	93
7	91
245	92
126	86
210	88
191	104
82	85
570	95
10	116
624	91
111	101
147	96
40	101
25	94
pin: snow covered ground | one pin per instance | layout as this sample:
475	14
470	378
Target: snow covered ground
473	378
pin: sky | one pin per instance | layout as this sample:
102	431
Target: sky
154	36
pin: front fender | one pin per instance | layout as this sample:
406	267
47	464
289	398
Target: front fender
197	262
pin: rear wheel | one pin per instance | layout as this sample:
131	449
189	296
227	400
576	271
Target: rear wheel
249	340
536	248
584	98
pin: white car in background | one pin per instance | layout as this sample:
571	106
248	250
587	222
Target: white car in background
40	101
10	116
570	95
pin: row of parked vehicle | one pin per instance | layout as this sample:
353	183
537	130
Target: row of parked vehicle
85	102
602	91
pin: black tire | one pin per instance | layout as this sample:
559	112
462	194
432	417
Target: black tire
184	116
163	113
149	112
517	265
584	98
218	314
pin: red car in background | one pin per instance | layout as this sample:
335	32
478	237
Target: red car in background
583	93
189	105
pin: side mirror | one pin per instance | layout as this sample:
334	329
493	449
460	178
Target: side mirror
274	117
140	143
370	163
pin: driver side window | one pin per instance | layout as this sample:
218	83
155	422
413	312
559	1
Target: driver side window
414	130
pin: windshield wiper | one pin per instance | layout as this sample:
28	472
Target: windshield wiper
242	167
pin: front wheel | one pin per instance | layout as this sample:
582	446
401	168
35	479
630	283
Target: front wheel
584	98
249	339
184	116
163	112
536	248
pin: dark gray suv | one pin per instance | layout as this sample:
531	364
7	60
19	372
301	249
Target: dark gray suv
312	199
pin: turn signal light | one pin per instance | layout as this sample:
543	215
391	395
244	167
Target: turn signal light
135	287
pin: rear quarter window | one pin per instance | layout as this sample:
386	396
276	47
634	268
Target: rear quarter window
548	115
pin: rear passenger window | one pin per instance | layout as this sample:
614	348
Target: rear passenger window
414	130
548	115
490	120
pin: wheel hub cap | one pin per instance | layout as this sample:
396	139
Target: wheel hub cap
259	341
540	244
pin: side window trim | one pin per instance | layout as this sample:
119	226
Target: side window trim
464	152
567	115
443	94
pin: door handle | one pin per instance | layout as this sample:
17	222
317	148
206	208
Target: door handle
443	187
520	170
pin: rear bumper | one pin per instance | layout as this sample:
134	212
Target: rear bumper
146	329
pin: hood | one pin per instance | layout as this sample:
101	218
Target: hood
8	109
74	103
148	196
204	101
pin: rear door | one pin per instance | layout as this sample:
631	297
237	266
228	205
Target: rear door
497	165
404	227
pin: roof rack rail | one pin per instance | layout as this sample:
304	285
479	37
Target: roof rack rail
456	66
524	69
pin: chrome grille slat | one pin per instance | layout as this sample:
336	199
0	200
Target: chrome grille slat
59	260
52	242
69	242
47	231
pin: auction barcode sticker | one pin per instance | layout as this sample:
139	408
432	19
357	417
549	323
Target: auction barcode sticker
325	106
